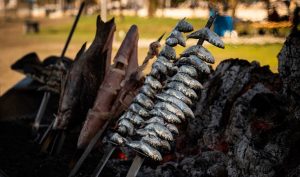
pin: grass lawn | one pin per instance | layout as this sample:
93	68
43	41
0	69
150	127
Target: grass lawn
54	33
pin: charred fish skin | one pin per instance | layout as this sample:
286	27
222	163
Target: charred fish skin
189	70
156	142
173	129
155	119
160	67
169	107
184	26
172	41
177	35
168	52
209	36
154	83
128	125
145	149
168	116
190	93
187	80
144	101
147	90
136	108
179	95
170	66
143	132
136	120
195	62
160	130
178	103
118	139
200	52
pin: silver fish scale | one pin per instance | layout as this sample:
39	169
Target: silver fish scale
194	61
173	129
179	95
155	119
116	138
122	129
183	89
171	41
191	71
143	132
155	73
184	26
177	102
171	108
154	83
143	100
136	108
160	67
128	125
161	131
166	62
156	142
168	52
147	90
135	119
200	52
167	115
145	149
178	35
209	36
187	80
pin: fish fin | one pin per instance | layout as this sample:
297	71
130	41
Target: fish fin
80	52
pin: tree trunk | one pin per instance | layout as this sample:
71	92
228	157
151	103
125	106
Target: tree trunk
152	6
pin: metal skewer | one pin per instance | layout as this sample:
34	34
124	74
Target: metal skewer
93	142
47	95
138	160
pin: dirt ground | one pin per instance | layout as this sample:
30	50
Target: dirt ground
14	44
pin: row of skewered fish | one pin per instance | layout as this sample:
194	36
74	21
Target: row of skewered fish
149	125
